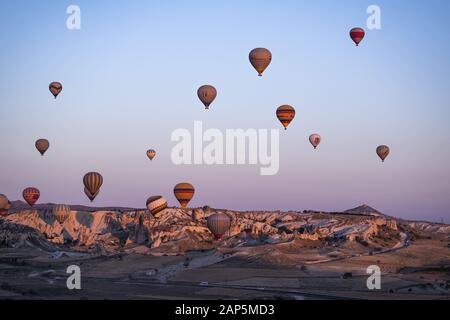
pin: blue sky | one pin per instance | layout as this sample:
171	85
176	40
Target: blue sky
130	77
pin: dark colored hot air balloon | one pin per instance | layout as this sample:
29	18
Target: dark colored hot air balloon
260	59
89	195
92	182
42	145
61	212
357	34
55	88
151	154
207	94
184	193
285	114
383	152
156	204
31	195
218	224
315	139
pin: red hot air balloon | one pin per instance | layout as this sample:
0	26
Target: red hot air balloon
357	34
31	195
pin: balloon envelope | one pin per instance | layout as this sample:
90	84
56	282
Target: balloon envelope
218	224
156	204
92	182
151	154
383	152
357	34
315	139
260	59
31	195
42	146
207	94
55	88
184	192
285	114
61	212
4	202
89	195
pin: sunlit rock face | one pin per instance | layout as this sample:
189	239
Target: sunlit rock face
186	229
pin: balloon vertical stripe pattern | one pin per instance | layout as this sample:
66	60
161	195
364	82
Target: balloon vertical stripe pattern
285	114
91	196
218	224
92	182
61	212
184	192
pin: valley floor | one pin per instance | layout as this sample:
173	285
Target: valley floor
418	271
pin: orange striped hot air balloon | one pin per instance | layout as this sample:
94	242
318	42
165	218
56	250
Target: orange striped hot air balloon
184	192
55	88
218	224
285	114
260	59
207	94
156	204
31	195
357	34
42	146
92	183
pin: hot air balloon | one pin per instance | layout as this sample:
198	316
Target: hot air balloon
151	154
55	88
285	114
357	34
92	182
207	94
184	193
260	59
61	212
315	140
218	224
89	195
31	195
42	145
156	204
5	205
383	152
4	202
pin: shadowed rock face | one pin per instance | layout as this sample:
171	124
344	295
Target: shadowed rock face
186	229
